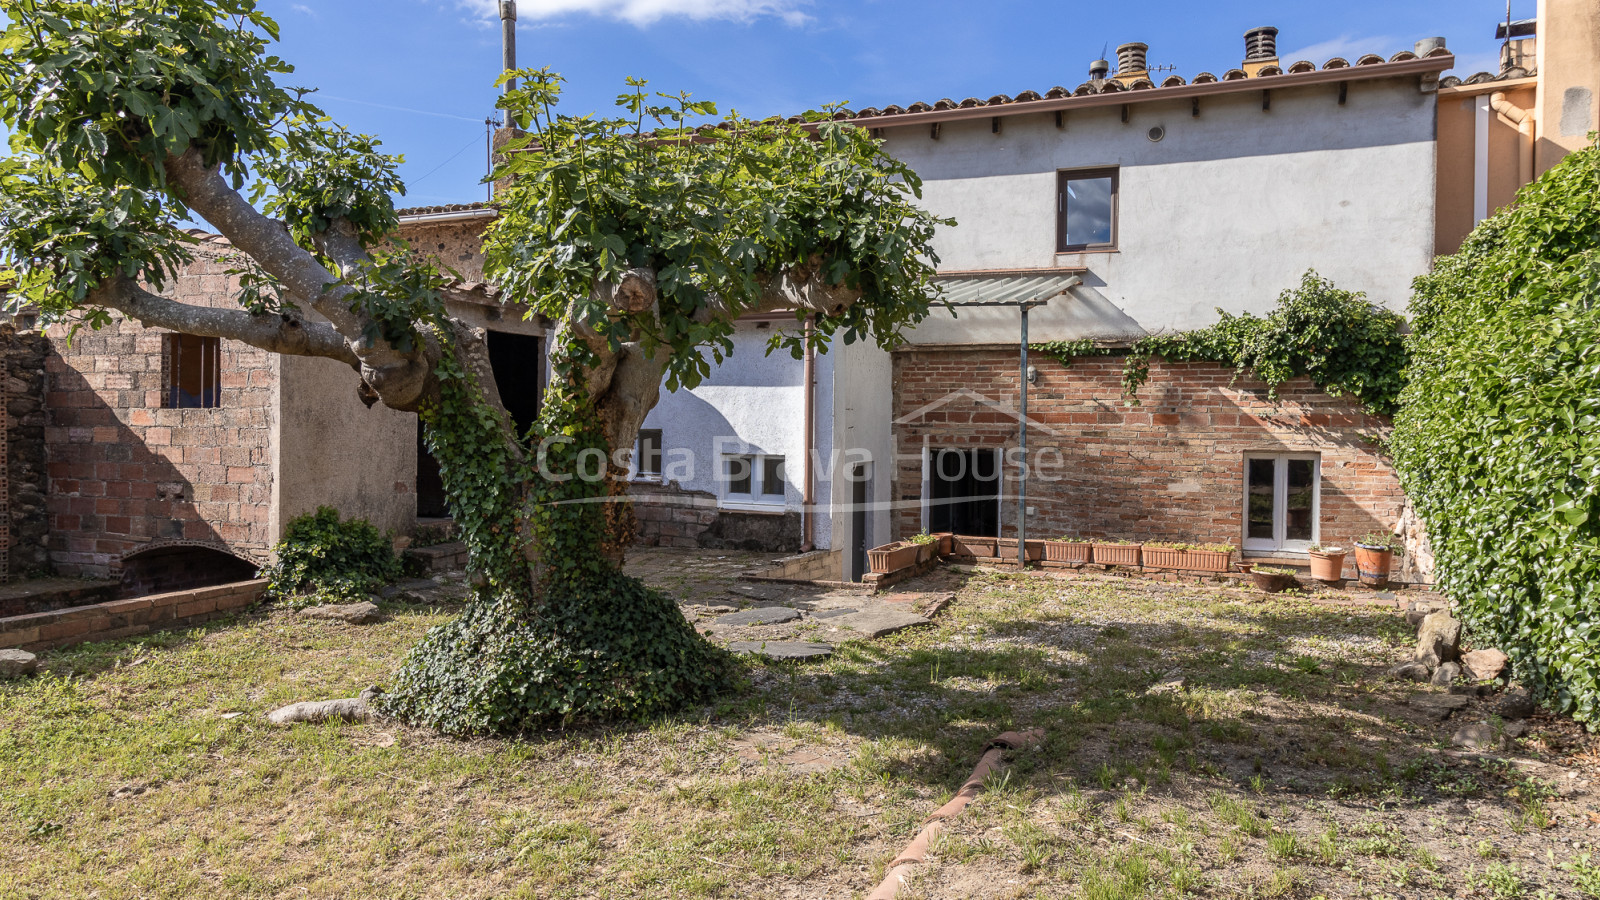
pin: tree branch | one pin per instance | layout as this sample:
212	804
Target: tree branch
270	332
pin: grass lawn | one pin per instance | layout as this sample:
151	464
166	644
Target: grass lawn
1199	743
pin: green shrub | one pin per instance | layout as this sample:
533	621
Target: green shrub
324	560
1497	441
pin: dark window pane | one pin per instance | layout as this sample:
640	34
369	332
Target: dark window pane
1261	476
772	476
649	457
1088	211
736	469
1301	501
193	362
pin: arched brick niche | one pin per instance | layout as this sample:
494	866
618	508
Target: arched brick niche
168	566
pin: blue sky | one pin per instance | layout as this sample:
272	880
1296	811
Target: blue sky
419	73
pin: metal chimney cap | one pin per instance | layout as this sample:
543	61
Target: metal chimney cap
508	10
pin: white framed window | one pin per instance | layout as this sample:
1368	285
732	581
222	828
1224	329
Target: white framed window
753	480
647	455
1282	501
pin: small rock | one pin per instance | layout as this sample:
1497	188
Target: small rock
17	664
1438	706
1484	665
1411	671
1475	736
761	615
720	608
1515	729
1515	705
1446	674
782	649
363	613
1414	617
1439	639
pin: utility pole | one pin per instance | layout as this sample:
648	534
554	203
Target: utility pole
508	40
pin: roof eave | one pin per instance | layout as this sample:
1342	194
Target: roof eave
1376	71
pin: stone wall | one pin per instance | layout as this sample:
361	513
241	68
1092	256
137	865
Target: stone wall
669	516
1169	469
126	471
24	518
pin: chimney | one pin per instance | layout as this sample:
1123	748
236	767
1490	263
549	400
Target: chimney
1131	64
508	40
1428	45
1260	49
1099	69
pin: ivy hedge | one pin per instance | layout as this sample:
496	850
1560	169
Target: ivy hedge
324	560
1498	437
1337	338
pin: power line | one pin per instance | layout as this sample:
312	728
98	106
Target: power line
405	109
448	161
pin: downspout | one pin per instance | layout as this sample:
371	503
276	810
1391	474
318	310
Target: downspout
1523	119
808	490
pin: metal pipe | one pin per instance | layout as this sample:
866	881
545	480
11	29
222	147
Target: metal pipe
508	40
437	218
1022	442
808	490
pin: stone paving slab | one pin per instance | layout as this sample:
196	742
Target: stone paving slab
783	649
761	615
880	621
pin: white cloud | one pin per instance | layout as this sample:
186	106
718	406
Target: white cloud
646	12
1349	46
305	10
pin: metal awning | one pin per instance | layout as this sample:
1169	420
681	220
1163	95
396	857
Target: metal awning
1006	287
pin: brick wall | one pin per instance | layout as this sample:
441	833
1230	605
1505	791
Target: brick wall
1170	469
125	471
125	618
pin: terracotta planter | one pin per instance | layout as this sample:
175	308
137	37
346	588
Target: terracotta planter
1185	560
966	545
892	557
1117	554
926	552
1272	583
1006	548
1072	552
1372	565
1327	566
946	542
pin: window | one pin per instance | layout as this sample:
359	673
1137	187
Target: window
192	372
757	479
1086	209
647	459
1282	500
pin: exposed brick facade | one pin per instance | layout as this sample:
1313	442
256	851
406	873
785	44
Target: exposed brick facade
1169	469
124	618
126	471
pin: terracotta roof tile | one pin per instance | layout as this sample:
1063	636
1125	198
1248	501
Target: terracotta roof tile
446	208
1304	65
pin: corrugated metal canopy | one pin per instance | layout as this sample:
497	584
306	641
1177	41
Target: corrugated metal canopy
1005	288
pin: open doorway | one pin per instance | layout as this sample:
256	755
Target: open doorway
860	480
518	363
962	491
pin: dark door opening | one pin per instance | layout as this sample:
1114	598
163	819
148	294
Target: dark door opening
964	492
518	364
858	521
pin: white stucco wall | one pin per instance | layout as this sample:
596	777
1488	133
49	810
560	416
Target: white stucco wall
751	403
862	407
1227	210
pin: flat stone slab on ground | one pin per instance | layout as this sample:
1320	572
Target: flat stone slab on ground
833	613
783	649
767	592
17	663
1439	706
761	615
881	621
349	613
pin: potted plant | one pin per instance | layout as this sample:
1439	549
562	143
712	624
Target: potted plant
1375	553
1273	579
892	557
1006	548
1327	563
1117	552
927	546
967	545
1067	550
1188	557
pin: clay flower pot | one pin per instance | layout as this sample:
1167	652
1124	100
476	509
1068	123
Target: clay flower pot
946	542
1372	565
966	545
1074	553
1117	554
1272	582
1006	548
1327	565
893	557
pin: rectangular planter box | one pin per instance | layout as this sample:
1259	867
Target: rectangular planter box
1006	548
1117	554
966	545
1186	560
892	557
926	552
1074	552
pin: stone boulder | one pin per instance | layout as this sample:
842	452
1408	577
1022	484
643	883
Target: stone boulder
1411	671
1484	665
1515	705
1438	640
17	664
1446	674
